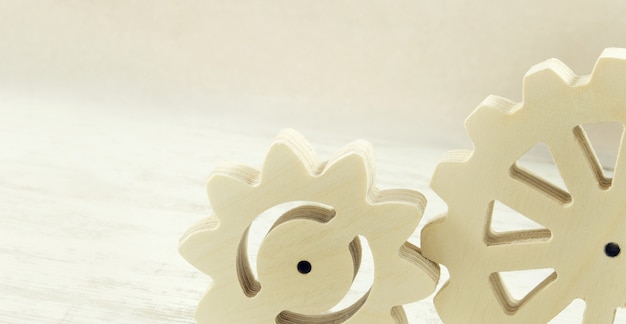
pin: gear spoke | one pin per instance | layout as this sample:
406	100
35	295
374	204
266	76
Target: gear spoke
592	157
546	303
571	157
598	314
533	204
532	255
619	174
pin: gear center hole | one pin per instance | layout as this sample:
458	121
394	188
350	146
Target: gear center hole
612	249
304	267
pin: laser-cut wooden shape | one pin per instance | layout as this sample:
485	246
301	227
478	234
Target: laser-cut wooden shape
310	256
586	224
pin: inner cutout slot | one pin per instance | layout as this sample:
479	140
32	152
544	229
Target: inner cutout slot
537	169
275	216
620	315
504	225
573	313
254	235
514	288
363	273
601	143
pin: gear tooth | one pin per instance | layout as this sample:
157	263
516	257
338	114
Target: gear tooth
211	307
609	72
441	178
290	153
354	163
210	223
228	183
403	216
420	284
362	149
443	302
542	80
609	56
431	234
447	172
428	274
488	115
194	248
410	199
415	200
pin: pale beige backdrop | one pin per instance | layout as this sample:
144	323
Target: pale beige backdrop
114	112
398	70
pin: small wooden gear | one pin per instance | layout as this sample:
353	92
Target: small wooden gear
309	259
585	226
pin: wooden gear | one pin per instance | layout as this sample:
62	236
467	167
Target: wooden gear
581	223
309	258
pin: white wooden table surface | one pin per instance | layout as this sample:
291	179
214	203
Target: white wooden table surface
93	202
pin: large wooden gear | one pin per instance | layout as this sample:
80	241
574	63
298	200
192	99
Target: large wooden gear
308	260
585	226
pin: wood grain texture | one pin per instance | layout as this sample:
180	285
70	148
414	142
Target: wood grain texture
584	220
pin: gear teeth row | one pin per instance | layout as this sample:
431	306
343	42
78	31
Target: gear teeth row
330	217
556	102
